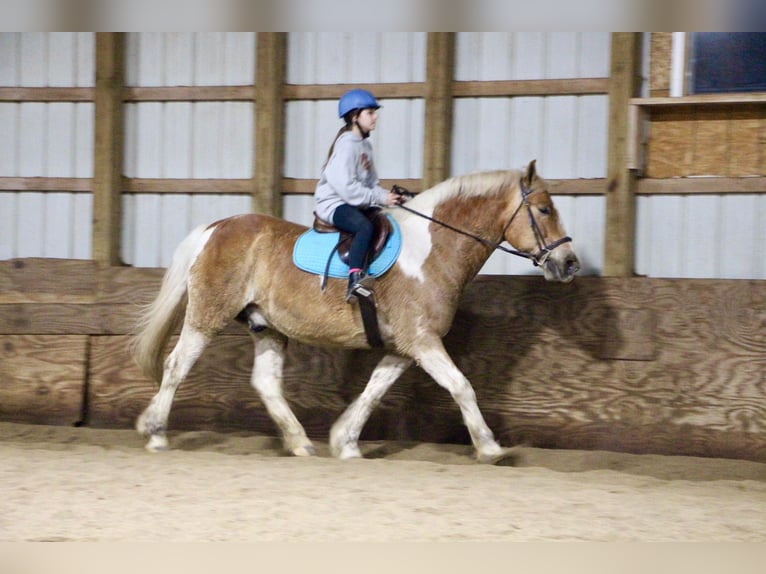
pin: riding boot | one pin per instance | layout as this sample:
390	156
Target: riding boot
359	284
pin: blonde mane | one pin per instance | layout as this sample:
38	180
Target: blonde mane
483	183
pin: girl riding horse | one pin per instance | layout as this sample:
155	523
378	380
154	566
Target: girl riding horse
349	182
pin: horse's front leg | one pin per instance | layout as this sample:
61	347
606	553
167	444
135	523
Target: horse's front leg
344	435
433	358
267	380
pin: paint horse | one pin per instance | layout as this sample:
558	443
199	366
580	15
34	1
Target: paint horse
241	268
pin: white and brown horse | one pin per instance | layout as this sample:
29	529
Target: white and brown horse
241	267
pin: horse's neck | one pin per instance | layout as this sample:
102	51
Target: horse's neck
477	216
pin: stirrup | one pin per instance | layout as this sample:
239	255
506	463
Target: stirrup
359	285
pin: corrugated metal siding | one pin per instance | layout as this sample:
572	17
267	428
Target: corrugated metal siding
329	58
690	236
183	139
46	140
712	236
566	134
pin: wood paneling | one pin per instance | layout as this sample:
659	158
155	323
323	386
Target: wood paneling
628	364
42	378
659	63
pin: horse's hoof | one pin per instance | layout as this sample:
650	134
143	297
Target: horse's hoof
502	457
157	443
307	450
349	452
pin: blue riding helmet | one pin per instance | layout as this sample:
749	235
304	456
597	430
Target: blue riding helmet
356	99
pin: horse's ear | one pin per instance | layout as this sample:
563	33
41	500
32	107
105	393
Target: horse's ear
531	174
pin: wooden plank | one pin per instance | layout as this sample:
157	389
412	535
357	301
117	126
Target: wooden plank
297	186
187	185
43	378
188	94
69	184
47	94
711	146
701	185
49	319
108	147
38	280
516	88
747	155
670	147
625	80
389	90
659	63
271	66
437	139
702	100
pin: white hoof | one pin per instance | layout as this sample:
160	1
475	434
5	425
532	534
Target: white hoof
157	443
307	450
348	452
500	455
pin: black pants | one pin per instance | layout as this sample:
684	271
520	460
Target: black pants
351	219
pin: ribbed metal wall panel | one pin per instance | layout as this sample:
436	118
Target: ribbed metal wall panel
329	58
710	236
713	236
46	140
567	135
183	139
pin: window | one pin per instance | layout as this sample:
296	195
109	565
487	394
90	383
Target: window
727	62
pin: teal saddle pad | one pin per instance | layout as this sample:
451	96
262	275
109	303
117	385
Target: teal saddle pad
312	250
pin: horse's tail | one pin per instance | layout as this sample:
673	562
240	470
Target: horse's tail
160	318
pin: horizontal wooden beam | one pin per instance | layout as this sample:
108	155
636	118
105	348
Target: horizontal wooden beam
701	185
53	184
189	94
296	186
184	186
332	91
394	90
551	87
21	94
701	100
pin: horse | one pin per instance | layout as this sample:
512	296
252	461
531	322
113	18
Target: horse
240	268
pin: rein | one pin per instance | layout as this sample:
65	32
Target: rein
538	259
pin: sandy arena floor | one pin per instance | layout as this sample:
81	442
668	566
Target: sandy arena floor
80	484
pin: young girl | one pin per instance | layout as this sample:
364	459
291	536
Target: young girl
348	182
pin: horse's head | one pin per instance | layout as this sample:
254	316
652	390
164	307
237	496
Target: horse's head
534	228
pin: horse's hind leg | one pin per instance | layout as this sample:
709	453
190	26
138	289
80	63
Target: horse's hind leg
267	380
437	363
344	435
153	422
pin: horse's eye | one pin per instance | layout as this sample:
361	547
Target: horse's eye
545	210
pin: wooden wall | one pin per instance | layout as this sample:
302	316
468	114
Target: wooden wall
627	364
714	135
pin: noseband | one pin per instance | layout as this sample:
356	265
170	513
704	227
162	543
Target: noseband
543	250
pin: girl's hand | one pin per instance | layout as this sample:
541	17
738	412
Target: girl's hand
394	199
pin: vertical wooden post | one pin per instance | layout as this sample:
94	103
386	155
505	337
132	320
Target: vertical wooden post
437	139
108	148
624	83
271	66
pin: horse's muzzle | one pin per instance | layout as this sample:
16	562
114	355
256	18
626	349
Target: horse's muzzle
561	268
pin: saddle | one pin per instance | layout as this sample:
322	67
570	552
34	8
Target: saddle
381	230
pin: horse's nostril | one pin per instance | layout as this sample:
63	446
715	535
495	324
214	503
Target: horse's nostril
573	265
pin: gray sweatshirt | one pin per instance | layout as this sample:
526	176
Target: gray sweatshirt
349	177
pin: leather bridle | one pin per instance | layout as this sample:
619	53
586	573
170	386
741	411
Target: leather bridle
543	250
